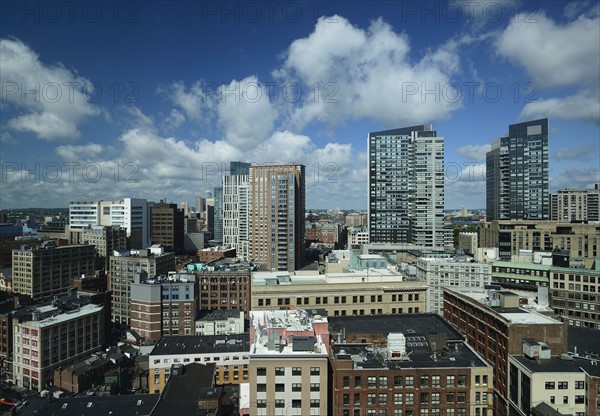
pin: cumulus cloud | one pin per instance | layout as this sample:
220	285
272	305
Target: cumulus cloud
367	73
554	54
56	100
474	152
571	177
582	106
72	153
584	152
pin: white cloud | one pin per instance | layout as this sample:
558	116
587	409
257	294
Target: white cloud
72	153
474	152
583	152
58	100
245	112
367	73
581	106
196	102
553	54
570	177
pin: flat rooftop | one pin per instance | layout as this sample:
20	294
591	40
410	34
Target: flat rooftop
554	364
183	345
408	324
365	357
85	310
126	404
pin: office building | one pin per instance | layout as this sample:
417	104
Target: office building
130	213
575	205
47	270
225	289
406	365
164	305
495	324
239	168
218	218
517	173
166	225
406	187
468	242
47	337
277	207
360	292
289	363
200	207
581	240
123	266
106	239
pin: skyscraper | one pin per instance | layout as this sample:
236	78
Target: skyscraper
218	218
406	187
235	208
277	208
517	173
167	226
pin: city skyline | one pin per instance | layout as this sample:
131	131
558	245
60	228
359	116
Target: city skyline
152	102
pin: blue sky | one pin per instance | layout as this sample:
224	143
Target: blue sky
105	100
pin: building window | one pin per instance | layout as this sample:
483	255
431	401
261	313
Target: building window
296	387
315	403
315	371
261	387
565	399
397	398
409	381
435	381
279	387
383	382
315	387
346	399
382	398
296	371
279	403
409	398
579	399
260	371
346	382
279	371
549	385
296	403
424	381
261	404
563	385
579	385
435	398
357	382
371	381
397	381
449	381
371	398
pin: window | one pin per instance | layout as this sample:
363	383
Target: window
579	399
424	381
410	398
462	381
279	387
382	398
449	381
383	382
462	397
397	398
261	387
279	403
563	385
409	381
435	381
315	387
296	387
261	404
372	381
435	398
356	399
315	371
450	397
357	382
346	382
346	399
371	398
261	371
315	403
549	385
397	381
296	403
279	371
296	371
424	398
579	385
565	399
552	399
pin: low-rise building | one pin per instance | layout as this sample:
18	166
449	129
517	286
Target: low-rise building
358	292
288	363
228	288
221	322
47	337
468	242
228	353
164	305
422	366
495	324
567	384
456	273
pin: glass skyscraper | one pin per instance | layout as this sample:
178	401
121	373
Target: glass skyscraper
406	187
517	173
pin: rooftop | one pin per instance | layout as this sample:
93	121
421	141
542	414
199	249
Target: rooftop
180	345
451	355
57	315
129	404
287	332
369	275
554	364
409	324
222	315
